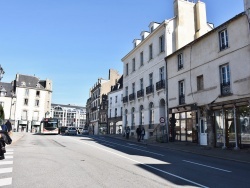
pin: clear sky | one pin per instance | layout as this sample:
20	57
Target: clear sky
74	42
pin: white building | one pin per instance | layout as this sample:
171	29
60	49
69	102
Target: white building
144	70
69	115
115	105
30	99
209	86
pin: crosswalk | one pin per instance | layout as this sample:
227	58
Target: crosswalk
6	168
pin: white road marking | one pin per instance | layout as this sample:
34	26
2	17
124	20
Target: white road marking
207	166
5	170
5	181
6	162
136	145
8	157
157	169
132	147
109	145
8	153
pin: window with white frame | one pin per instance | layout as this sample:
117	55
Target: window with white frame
180	61
37	93
141	58
141	83
37	103
116	99
110	113
133	116
161	44
150	51
151	79
223	39
141	115
126	91
225	79
24	115
110	102
133	87
200	84
26	102
115	112
181	92
133	64
161	71
126	117
126	69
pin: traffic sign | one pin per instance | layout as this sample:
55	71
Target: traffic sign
162	120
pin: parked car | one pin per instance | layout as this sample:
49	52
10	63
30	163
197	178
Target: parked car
62	130
85	131
71	131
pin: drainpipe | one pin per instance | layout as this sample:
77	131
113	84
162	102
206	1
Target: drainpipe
236	132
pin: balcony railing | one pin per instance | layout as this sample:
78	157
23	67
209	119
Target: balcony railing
225	88
125	99
140	93
181	99
132	97
160	85
94	108
150	89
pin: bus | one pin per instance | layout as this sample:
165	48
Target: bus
49	126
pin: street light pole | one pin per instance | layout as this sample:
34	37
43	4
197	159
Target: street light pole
1	72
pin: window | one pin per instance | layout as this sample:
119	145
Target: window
126	117
110	113
133	87
181	93
26	92
116	99
150	51
141	115
127	69
161	71
151	113
200	84
225	79
26	102
37	103
121	111
180	61
36	116
151	79
141	83
151	29
110	100
133	64
24	115
223	39
161	44
115	112
141	58
126	90
37	93
133	116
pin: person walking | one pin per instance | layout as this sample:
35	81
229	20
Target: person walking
127	132
138	132
142	133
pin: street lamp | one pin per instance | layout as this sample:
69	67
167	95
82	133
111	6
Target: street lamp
1	72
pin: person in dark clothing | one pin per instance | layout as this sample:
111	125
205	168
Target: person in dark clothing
138	132
9	127
142	133
127	132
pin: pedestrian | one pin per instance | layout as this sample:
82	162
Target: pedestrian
138	132
127	132
9	127
142	133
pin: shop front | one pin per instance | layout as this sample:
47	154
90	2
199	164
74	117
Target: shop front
22	126
35	126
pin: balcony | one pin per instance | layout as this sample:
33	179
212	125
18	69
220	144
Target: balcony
140	93
160	85
125	99
132	97
225	88
181	99
150	89
94	108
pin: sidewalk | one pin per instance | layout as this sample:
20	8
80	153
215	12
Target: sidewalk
16	136
241	155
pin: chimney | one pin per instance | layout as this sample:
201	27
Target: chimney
247	8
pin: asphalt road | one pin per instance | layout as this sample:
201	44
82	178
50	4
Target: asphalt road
96	161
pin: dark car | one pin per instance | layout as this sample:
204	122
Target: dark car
71	131
62	130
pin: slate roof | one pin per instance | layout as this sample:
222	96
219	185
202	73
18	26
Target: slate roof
30	81
6	87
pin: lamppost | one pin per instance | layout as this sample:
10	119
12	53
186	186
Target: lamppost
1	72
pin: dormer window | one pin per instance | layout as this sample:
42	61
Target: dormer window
151	29
23	84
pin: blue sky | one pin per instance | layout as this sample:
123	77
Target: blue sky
74	42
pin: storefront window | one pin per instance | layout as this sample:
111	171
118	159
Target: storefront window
244	122
219	127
